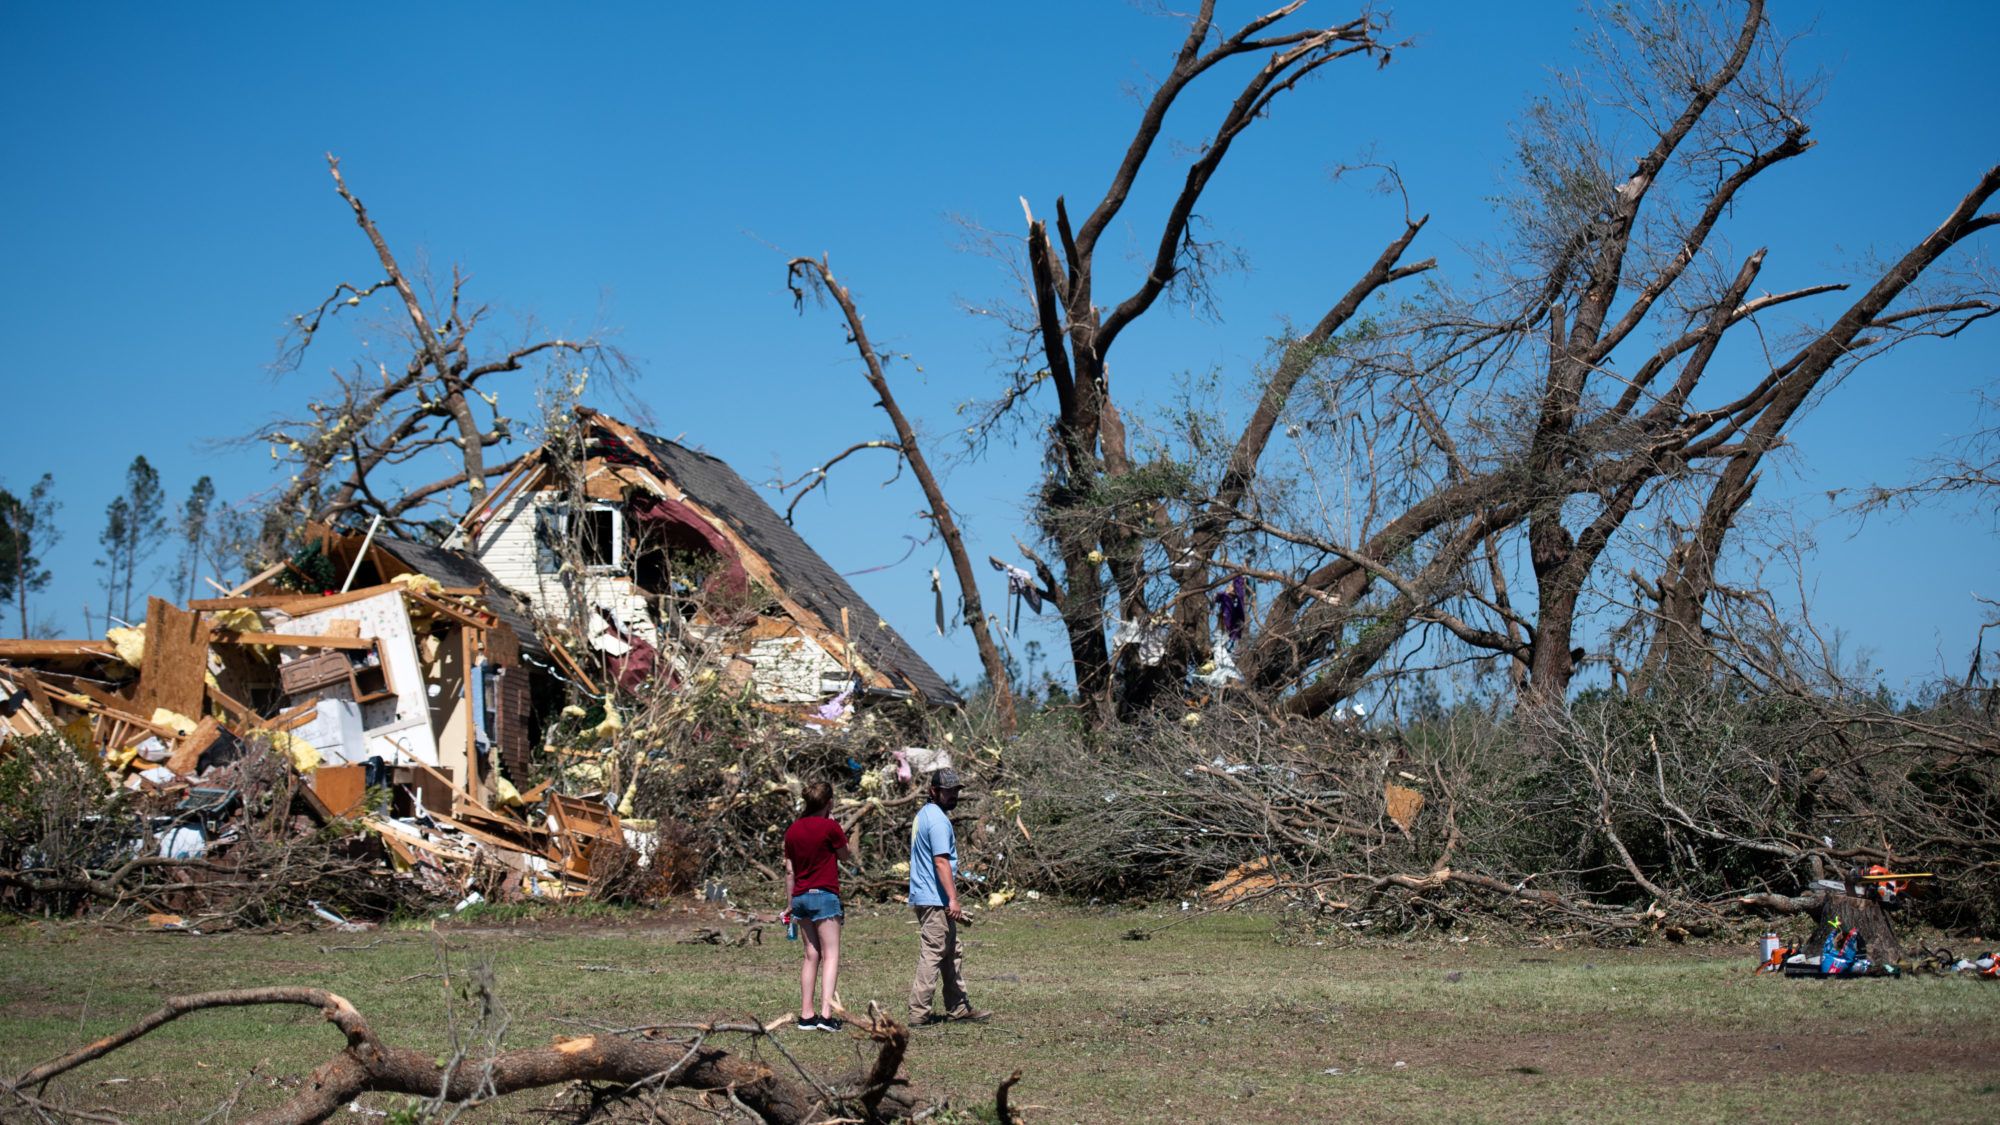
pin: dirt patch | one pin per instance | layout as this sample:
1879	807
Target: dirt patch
1689	1054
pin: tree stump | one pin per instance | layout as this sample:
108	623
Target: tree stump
1860	913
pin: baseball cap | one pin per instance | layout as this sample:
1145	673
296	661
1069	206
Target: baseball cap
945	779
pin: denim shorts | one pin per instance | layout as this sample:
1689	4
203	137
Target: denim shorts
815	906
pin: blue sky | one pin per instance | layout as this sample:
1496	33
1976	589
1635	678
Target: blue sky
646	169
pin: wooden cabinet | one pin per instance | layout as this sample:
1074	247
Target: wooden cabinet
365	671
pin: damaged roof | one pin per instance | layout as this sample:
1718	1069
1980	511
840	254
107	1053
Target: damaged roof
804	576
452	568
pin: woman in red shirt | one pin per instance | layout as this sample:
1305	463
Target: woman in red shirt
815	845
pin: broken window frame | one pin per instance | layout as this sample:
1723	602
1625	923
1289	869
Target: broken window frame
555	530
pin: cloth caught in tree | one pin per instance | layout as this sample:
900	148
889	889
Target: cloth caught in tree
1221	668
1151	639
937	594
837	708
1231	606
636	664
1020	587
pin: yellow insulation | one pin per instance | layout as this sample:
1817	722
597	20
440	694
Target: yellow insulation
130	644
179	724
305	758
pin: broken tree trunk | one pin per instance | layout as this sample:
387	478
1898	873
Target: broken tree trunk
1857	912
369	1065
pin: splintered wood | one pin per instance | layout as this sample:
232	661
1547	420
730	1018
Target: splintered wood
1241	882
1403	804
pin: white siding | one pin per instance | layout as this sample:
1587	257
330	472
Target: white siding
507	545
507	548
794	670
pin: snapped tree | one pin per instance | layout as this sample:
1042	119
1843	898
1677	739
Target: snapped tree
1405	467
371	446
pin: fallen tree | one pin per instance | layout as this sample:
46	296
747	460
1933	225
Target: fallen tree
636	1059
1609	818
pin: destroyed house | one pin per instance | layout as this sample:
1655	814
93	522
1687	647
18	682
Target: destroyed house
669	564
405	687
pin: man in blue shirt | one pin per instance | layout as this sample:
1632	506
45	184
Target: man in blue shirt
934	896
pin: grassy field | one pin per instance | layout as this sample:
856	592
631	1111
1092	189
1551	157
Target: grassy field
1213	1020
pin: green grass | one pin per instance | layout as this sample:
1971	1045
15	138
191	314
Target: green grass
1209	1021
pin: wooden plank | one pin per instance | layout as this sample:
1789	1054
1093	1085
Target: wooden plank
291	640
233	706
475	520
32	649
295	718
33	685
315	807
498	823
561	656
464	615
85	703
307	603
247	601
18	707
85	687
395	844
300	604
390	829
514	844
260	578
187	753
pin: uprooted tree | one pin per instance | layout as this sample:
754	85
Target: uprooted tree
1589	418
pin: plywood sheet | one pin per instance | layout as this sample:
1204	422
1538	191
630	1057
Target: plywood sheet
176	665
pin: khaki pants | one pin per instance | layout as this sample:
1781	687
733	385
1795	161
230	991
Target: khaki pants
938	954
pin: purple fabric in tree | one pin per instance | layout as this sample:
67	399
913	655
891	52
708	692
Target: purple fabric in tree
1231	607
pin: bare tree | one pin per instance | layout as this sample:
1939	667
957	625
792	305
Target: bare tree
346	453
805	275
1436	454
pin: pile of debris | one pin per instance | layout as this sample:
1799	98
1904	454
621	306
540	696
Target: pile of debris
398	706
457	714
